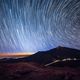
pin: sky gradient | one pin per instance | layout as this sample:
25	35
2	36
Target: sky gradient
39	25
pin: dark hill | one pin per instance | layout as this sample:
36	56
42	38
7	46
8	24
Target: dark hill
44	57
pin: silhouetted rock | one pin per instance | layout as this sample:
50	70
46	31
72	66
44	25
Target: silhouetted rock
44	57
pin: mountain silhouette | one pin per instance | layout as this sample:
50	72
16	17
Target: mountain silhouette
44	57
41	66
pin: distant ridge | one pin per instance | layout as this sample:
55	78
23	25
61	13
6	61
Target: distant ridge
44	57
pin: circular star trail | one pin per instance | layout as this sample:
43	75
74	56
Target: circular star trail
39	25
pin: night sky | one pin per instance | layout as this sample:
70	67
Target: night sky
39	25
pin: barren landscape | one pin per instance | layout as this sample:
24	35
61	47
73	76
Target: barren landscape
43	66
32	71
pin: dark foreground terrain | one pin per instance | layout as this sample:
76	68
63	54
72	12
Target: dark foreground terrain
57	64
34	71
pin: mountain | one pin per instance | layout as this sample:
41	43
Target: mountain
44	57
55	64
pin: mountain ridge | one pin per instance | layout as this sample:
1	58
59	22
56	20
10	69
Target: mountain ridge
44	57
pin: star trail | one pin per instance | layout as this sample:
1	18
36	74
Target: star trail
39	25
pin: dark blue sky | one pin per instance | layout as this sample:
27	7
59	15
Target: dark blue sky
37	25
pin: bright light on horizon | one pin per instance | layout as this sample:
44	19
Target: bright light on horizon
15	55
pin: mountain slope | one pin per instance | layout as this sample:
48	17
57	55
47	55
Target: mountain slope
44	57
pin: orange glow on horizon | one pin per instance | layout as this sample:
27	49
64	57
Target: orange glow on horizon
14	55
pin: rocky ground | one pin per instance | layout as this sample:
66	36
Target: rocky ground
34	71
